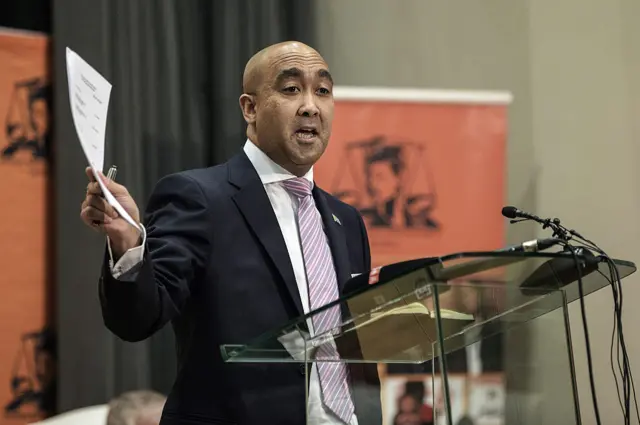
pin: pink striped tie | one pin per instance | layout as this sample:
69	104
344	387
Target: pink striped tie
323	289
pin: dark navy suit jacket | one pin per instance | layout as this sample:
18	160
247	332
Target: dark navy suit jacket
216	266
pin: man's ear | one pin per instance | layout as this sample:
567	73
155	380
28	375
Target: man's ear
248	106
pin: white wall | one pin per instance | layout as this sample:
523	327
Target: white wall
583	133
574	69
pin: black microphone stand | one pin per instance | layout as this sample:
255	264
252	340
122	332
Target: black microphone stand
559	231
584	250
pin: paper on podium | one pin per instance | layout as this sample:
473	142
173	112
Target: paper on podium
89	94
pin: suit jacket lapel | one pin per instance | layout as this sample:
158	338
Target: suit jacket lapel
254	204
336	236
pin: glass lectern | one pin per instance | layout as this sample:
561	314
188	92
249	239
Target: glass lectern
427	310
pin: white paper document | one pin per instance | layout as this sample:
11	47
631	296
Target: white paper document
89	94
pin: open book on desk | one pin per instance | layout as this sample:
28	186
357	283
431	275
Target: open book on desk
419	308
406	333
403	333
387	320
390	317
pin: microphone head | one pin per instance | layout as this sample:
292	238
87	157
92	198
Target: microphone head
510	212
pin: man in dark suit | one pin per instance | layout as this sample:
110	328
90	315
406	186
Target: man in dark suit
230	252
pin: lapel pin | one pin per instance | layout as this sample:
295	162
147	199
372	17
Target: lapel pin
336	219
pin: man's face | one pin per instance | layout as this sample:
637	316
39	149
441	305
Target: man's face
384	182
294	108
40	117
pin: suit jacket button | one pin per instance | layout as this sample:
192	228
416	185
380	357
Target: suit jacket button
303	369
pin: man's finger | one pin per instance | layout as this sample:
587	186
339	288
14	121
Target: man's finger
96	202
116	189
91	214
89	174
85	216
113	187
102	205
94	189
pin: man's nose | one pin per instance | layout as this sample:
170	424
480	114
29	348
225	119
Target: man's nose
309	107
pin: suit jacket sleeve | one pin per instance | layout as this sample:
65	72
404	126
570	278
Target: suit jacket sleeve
143	300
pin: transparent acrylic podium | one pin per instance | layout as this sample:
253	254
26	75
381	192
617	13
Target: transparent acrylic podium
424	314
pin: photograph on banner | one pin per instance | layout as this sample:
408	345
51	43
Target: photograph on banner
426	169
477	371
418	400
27	345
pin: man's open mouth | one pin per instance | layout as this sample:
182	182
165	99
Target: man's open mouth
306	133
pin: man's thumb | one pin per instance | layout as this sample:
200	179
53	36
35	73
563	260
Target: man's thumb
113	187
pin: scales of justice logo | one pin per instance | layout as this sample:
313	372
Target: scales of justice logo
33	376
27	123
389	181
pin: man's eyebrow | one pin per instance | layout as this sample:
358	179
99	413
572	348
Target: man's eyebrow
286	74
290	73
324	73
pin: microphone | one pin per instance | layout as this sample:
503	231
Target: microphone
534	245
513	212
516	215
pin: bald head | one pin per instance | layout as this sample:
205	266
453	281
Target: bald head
287	102
136	408
266	59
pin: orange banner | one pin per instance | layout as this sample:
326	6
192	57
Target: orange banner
26	348
425	169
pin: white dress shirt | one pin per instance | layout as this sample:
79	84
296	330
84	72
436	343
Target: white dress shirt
285	207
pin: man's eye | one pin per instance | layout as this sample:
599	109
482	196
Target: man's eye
324	91
291	89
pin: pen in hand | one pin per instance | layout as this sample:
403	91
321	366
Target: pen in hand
111	175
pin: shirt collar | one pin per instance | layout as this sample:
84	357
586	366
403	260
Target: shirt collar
269	171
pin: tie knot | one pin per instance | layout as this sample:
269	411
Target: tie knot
299	186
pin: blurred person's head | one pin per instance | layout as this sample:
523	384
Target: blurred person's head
136	408
416	389
408	404
287	102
